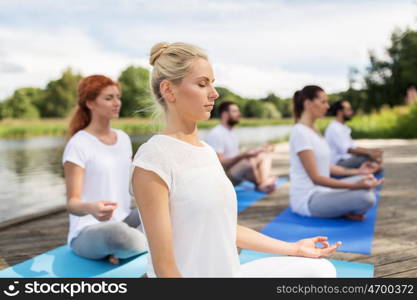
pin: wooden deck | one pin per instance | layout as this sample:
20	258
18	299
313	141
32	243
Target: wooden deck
394	251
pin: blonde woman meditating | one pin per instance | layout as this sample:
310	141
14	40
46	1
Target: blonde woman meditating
186	202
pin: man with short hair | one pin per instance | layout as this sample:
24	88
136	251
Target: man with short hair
338	136
253	165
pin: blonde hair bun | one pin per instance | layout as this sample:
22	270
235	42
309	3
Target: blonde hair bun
156	51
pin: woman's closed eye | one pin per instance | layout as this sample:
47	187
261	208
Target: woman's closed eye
109	98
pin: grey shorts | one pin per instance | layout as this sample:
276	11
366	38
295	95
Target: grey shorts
338	202
122	239
239	172
353	162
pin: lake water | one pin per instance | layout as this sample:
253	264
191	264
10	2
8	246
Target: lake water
31	173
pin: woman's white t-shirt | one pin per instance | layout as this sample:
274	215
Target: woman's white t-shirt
106	175
302	187
202	205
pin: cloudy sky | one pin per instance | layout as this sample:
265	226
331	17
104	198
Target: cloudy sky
256	47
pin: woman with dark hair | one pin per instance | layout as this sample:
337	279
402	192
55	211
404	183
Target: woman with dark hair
313	192
97	160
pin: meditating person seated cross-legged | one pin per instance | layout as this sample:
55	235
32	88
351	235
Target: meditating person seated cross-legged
187	203
253	165
344	152
313	192
97	162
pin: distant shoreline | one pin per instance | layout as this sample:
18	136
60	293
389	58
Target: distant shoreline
18	128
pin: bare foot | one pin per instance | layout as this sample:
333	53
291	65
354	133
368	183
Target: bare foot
355	217
268	186
113	260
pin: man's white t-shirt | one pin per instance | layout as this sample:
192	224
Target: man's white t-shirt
106	175
339	138
223	140
302	187
202	206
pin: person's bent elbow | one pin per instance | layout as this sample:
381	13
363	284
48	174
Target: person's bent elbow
71	205
316	179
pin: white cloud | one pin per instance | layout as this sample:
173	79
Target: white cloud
44	56
259	82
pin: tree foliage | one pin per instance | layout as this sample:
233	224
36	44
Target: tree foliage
60	96
21	104
136	95
387	80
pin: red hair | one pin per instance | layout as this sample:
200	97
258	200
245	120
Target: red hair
88	90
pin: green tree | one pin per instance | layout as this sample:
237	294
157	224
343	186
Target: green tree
270	111
282	105
388	80
1	111
60	96
259	109
136	96
358	99
227	95
21	103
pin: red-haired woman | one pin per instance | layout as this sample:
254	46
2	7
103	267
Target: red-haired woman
97	161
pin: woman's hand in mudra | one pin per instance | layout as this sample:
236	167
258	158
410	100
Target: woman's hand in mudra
308	247
102	210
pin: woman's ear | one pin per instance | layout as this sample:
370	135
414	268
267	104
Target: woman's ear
166	88
89	104
307	104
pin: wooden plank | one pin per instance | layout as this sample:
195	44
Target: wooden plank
407	274
395	256
26	218
395	268
3	264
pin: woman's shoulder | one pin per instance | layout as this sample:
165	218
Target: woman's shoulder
209	147
79	138
153	146
78	149
299	129
301	134
154	152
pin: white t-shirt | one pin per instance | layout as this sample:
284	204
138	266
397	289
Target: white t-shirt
340	141
106	175
223	141
202	205
301	188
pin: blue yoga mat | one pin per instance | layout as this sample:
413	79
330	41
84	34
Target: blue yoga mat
247	195
356	236
379	175
63	263
344	269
